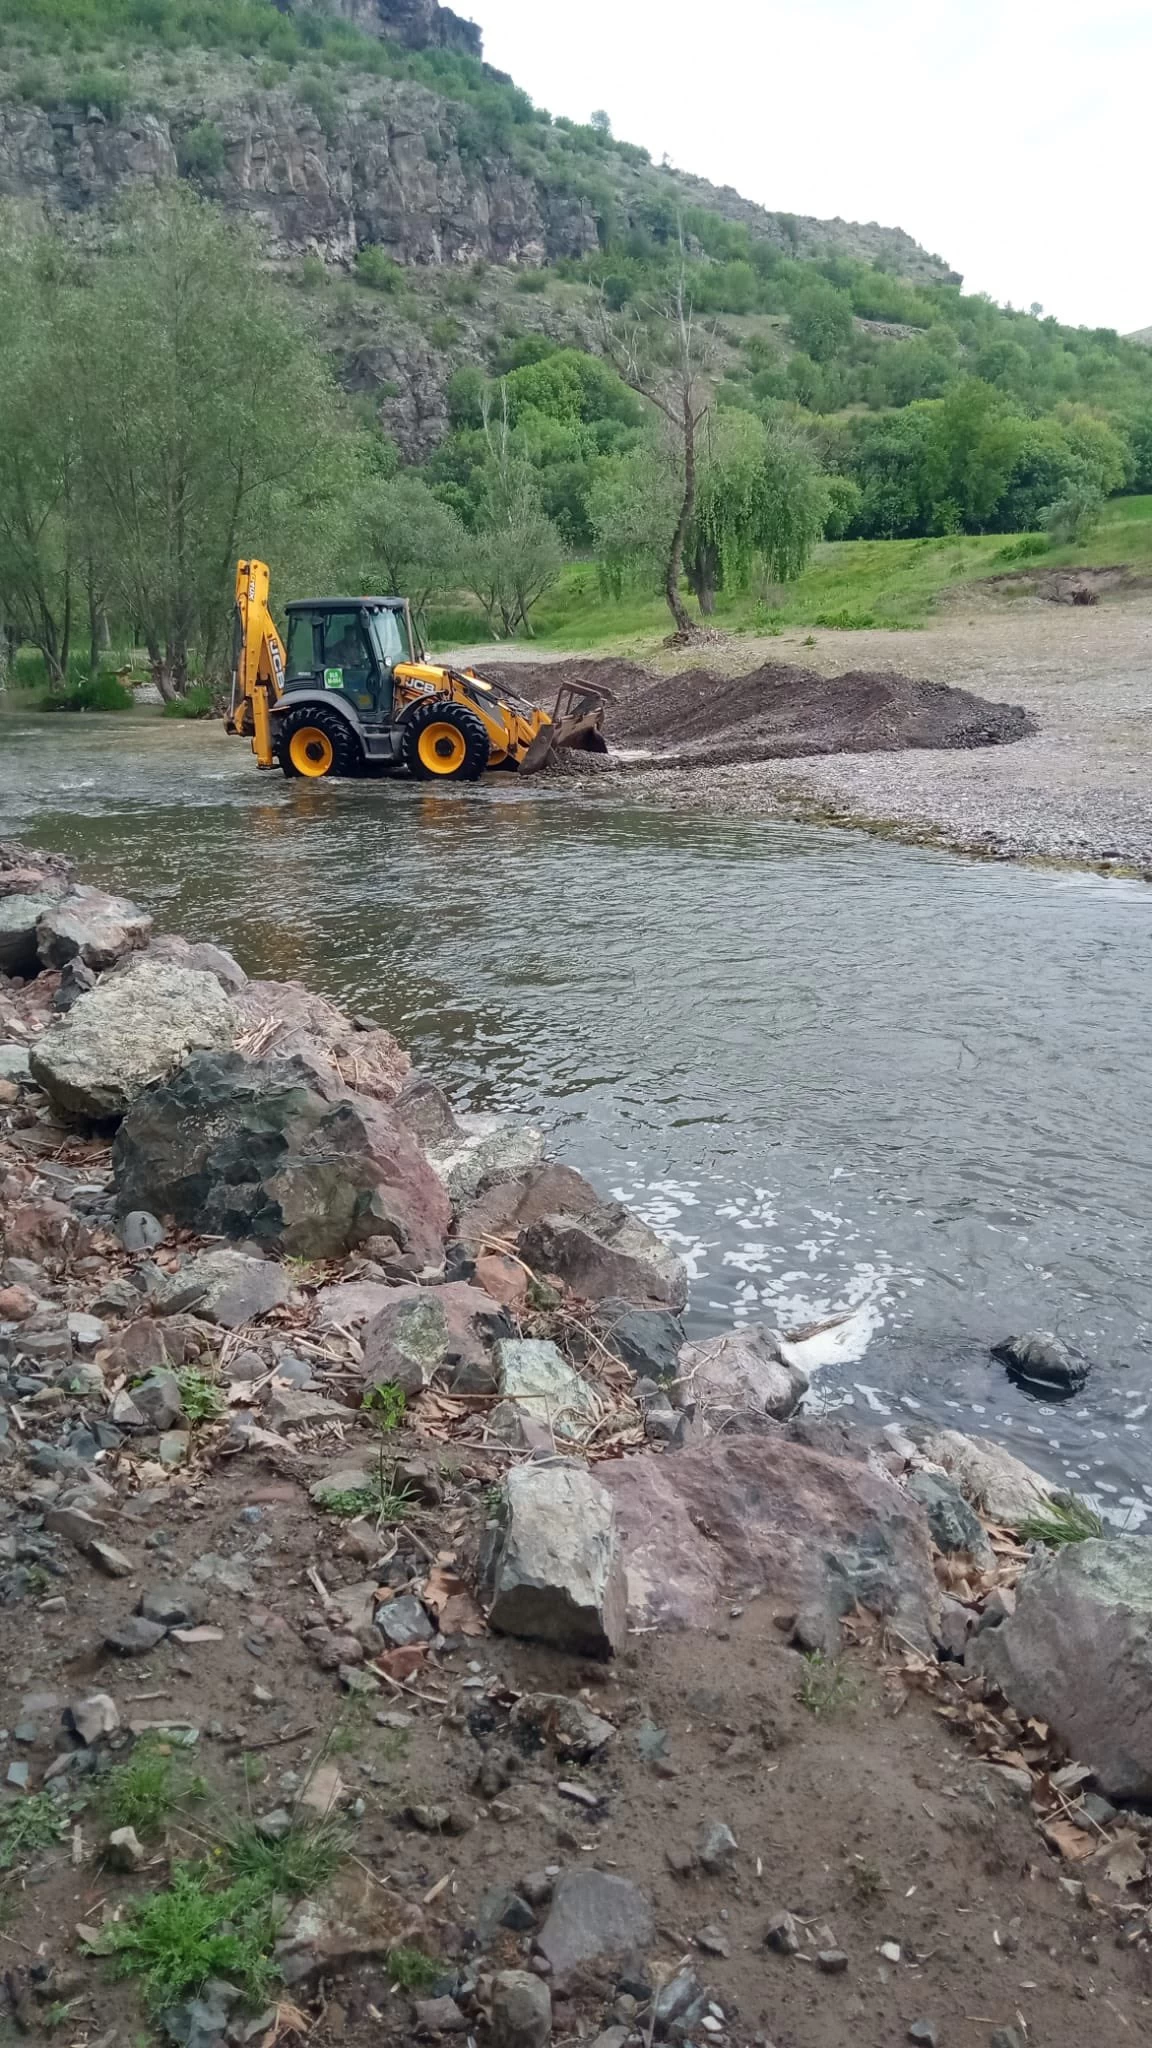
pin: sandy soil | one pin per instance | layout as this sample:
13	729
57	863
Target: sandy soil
1080	790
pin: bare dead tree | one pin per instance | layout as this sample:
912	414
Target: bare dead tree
675	383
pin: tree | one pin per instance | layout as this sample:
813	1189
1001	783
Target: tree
39	480
632	507
514	555
761	500
418	541
205	424
820	319
672	380
600	122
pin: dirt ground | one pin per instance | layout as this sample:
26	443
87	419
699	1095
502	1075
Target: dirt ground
855	1807
1079	789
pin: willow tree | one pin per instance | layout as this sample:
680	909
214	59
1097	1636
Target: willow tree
761	504
207	425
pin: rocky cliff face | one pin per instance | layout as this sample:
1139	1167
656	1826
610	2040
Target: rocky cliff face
391	175
416	24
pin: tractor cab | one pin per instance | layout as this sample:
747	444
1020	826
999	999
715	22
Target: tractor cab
350	646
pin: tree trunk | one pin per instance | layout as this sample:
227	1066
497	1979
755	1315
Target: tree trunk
161	673
688	505
704	577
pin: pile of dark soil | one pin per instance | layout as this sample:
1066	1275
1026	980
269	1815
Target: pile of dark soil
775	712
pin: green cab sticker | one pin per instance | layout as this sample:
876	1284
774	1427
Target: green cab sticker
333	679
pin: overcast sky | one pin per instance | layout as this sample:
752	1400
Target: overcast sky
1009	136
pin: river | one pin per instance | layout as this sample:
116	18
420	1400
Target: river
841	1076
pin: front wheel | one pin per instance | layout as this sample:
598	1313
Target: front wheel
315	741
445	741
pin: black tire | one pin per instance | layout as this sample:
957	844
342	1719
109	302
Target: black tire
343	755
463	760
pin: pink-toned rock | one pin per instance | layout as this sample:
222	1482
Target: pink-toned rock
565	1231
17	1304
737	1380
37	1229
762	1512
349	1303
510	1206
425	1332
89	925
310	1028
504	1279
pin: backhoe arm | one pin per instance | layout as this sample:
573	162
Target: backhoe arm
257	662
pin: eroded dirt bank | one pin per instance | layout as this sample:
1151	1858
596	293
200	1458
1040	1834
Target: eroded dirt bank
407	1635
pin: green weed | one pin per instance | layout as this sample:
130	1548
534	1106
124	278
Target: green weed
201	701
300	1862
144	1792
412	1970
385	1404
1067	1519
380	1501
28	1825
202	1399
174	1939
824	1687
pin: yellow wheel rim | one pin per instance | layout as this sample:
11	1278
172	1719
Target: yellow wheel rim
441	748
310	751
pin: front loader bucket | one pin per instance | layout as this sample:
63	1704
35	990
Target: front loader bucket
539	751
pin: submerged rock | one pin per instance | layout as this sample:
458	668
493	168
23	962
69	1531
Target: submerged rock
1076	1654
558	1574
133	1027
998	1485
738	1380
1043	1364
257	1149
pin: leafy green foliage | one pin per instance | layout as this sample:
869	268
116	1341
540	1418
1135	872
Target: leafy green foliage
201	1397
156	1781
197	1928
412	1970
91	693
200	700
385	1404
200	152
376	269
825	1686
31	1824
302	1861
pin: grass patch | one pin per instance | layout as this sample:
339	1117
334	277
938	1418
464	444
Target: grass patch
300	1862
1066	1520
30	1824
201	701
94	693
412	1970
380	1501
144	1792
825	1688
196	1929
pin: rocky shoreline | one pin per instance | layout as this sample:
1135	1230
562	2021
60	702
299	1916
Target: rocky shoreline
356	1454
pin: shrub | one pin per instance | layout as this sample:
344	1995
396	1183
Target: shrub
1025	549
96	693
1075	513
32	85
312	273
201	701
532	281
318	94
200	153
99	89
376	269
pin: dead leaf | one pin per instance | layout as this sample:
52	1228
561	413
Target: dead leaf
1124	1860
451	1602
405	1663
1070	1842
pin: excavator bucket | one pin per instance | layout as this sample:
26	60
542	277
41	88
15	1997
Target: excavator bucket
538	751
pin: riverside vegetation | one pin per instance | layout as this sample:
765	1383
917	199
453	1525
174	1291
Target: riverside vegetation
487	1655
477	416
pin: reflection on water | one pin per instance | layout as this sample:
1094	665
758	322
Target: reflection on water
842	1077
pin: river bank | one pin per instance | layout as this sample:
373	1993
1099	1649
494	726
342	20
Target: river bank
1078	791
290	1506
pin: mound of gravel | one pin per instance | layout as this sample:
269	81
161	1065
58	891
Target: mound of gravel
775	712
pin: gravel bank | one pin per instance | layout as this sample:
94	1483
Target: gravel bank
1079	790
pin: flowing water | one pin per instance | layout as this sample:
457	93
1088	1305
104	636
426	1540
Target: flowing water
841	1076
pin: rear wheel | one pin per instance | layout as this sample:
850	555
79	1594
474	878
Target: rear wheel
315	741
444	741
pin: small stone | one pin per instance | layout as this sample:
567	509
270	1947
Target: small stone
537	1887
17	1776
125	1851
87	1332
676	1997
140	1231
783	1934
890	1950
713	1942
404	1621
925	2033
436	2016
111	1561
681	1860
170	1606
521	2010
832	1961
173	1447
134	1637
124	1412
715	1846
274	1826
1005	2037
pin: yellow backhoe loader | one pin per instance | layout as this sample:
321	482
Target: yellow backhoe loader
352	694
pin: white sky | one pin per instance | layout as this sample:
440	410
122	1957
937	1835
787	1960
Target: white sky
1009	136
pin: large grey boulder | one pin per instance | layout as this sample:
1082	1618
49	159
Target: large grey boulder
614	1255
738	1381
1077	1653
520	2010
422	1333
89	925
999	1486
484	1149
225	1287
558	1574
128	1032
269	1150
738	1513
202	955
293	1024
1044	1364
20	914
594	1916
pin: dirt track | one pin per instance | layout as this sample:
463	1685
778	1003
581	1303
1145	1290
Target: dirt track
1079	789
